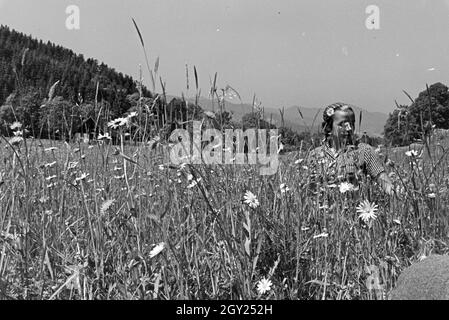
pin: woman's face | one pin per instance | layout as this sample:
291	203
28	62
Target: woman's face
343	125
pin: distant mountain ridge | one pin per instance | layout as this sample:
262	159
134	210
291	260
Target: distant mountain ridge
372	122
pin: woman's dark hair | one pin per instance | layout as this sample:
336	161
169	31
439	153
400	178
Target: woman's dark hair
328	116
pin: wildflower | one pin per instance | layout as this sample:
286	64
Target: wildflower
15	141
49	165
72	165
299	161
305	167
157	249
132	115
431	195
106	205
304	228
397	221
411	153
284	188
321	235
193	183
264	285
251	199
119	122
345	187
367	210
44	199
161	167
16	125
105	136
189	177
330	112
82	177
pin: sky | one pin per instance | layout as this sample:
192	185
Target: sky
308	53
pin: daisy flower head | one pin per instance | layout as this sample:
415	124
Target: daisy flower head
105	136
411	153
263	286
345	187
132	114
16	125
284	188
82	177
367	211
251	199
119	122
193	183
157	249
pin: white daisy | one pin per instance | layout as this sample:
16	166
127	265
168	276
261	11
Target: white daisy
264	285
16	125
105	136
157	249
321	235
193	183
284	188
82	177
345	187
132	114
251	199
411	153
367	211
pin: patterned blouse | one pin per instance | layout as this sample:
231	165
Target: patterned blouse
345	165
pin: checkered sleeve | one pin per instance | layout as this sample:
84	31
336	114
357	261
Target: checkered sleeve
371	160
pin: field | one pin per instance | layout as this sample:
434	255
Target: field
100	222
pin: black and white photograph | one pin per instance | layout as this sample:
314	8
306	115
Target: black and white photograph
241	152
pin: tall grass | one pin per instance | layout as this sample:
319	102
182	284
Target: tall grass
105	222
81	222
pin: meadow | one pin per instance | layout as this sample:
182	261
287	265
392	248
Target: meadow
98	221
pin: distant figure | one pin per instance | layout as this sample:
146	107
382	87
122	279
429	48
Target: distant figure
341	158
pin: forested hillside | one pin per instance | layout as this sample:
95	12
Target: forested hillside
39	65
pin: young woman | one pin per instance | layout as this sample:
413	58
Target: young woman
341	158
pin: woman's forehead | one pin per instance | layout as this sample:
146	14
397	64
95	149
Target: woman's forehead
341	115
